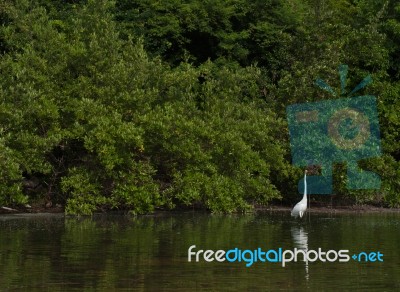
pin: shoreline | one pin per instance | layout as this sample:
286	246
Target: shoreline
271	208
336	210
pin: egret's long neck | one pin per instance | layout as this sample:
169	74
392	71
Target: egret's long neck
305	187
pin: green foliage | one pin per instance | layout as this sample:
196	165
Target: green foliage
237	31
212	137
10	177
84	192
105	127
159	104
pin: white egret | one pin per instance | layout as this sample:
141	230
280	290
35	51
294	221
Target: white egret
301	206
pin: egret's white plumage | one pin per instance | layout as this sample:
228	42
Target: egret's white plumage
301	206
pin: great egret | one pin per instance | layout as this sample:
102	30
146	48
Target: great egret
301	206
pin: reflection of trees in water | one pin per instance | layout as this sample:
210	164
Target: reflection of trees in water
150	252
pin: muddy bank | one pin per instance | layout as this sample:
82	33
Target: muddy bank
29	209
336	209
271	208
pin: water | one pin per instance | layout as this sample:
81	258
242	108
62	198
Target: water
150	253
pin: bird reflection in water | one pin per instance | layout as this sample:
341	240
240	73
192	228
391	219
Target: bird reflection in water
300	239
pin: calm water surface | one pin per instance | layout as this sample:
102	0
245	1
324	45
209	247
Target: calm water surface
108	253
